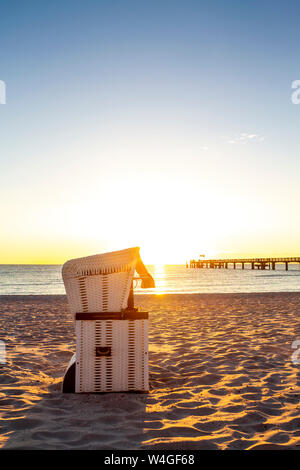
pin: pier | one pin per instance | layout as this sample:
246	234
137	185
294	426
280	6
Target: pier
255	263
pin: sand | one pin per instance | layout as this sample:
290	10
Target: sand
221	377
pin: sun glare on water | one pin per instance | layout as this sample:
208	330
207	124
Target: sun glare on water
159	274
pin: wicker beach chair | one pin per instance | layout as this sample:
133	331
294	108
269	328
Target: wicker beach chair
111	335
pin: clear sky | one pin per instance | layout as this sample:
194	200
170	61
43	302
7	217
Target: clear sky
162	124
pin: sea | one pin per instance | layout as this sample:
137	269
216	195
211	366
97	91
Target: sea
169	279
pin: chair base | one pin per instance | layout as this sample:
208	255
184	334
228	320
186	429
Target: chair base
68	384
111	353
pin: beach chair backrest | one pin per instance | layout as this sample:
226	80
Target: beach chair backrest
100	283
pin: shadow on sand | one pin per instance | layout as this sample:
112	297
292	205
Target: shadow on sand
83	421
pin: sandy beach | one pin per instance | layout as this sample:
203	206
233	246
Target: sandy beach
221	377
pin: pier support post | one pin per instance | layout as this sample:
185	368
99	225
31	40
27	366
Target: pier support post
243	265
252	265
286	266
273	265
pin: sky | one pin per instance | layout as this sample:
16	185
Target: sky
167	125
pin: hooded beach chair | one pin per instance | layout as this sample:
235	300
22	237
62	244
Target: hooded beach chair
111	334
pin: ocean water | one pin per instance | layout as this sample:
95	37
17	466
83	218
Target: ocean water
46	279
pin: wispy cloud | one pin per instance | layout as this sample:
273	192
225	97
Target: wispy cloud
243	138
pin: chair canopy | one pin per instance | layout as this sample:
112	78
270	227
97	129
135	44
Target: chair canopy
101	283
